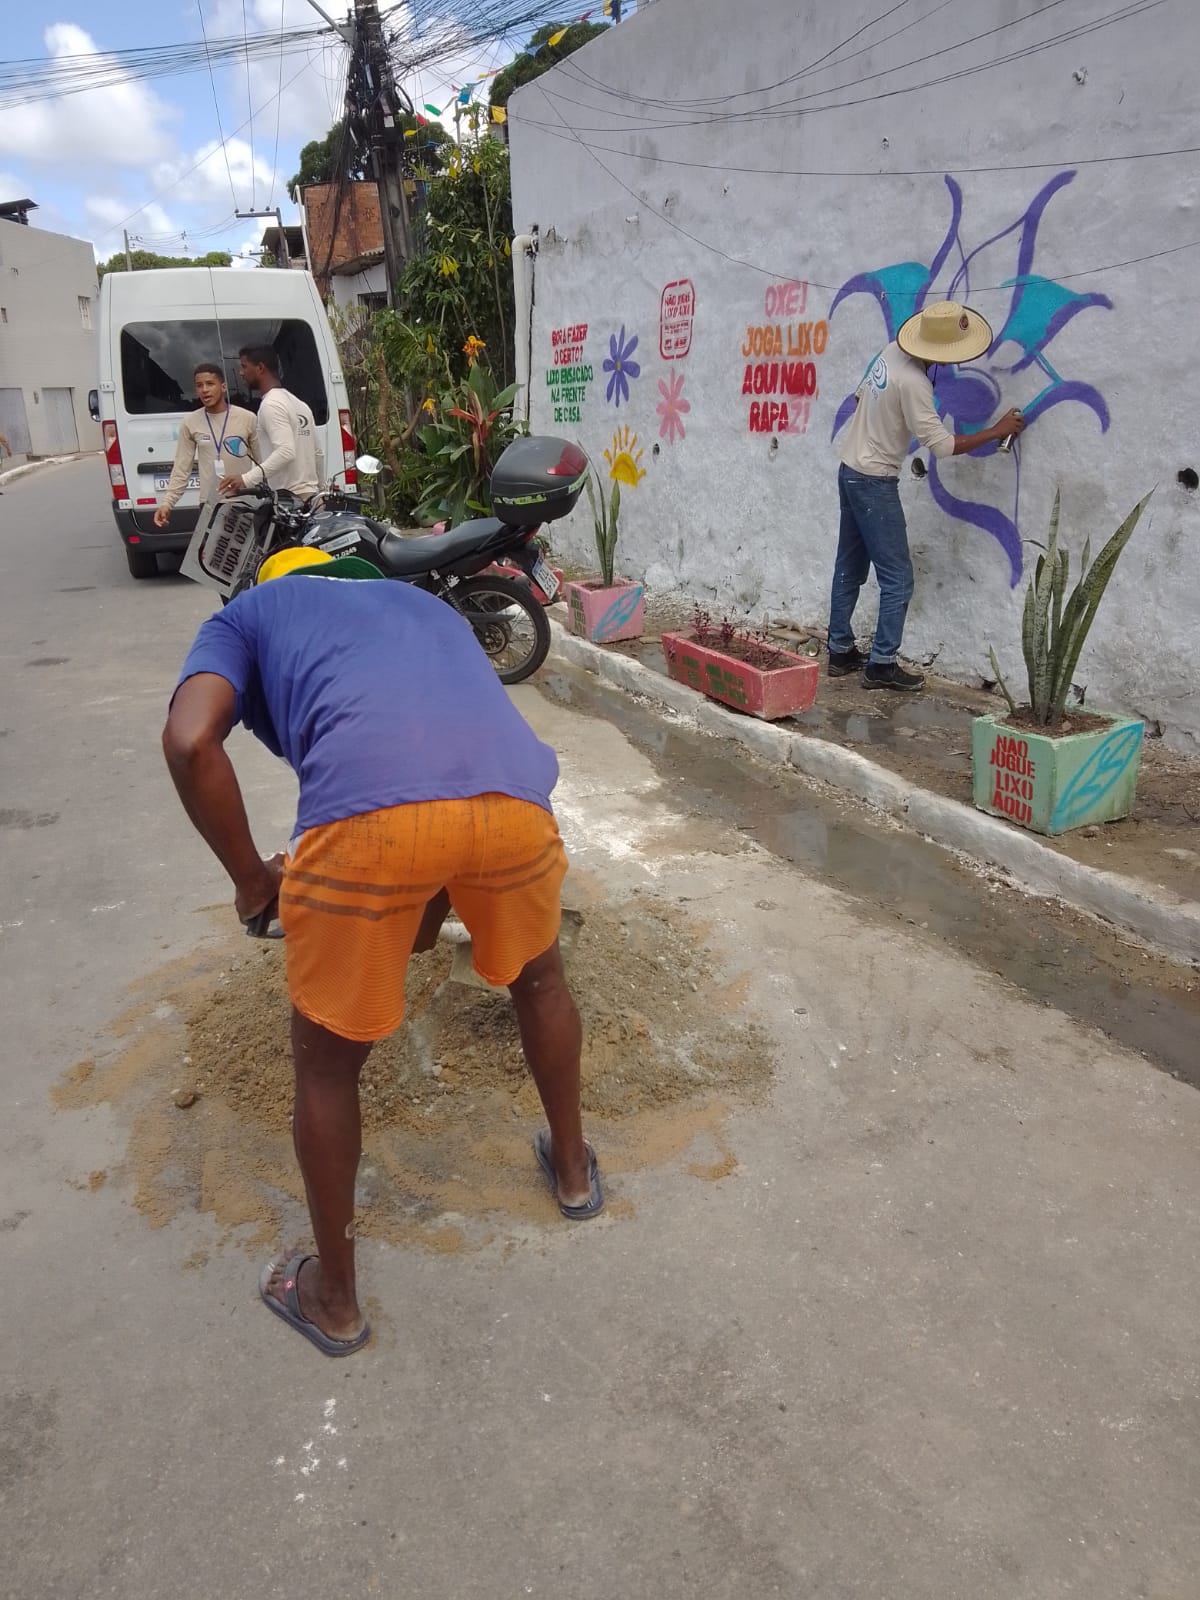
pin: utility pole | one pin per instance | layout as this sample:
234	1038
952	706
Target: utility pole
128	257
372	95
285	258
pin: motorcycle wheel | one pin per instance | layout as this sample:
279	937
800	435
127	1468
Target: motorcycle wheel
508	622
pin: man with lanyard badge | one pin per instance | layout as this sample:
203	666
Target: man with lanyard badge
291	454
202	434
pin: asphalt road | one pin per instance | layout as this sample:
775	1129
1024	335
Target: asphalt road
928	1329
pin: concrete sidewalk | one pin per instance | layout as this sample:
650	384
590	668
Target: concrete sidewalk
1147	909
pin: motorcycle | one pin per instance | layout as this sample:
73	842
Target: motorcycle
536	480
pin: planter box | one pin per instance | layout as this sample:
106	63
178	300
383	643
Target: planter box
773	693
1052	783
503	570
606	615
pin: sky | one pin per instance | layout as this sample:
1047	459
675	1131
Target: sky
147	155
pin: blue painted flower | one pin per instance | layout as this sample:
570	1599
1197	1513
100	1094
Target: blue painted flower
620	366
968	398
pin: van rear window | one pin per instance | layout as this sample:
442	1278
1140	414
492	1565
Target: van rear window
158	359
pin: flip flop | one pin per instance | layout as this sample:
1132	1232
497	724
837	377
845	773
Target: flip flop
288	1309
594	1205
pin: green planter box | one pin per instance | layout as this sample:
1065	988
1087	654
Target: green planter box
1054	783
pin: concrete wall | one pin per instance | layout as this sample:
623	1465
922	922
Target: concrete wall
752	239
47	340
345	287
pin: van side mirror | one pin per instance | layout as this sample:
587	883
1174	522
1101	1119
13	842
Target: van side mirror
369	466
94	404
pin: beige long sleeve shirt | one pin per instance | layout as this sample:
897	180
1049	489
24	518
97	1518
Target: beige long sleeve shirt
895	406
199	434
291	457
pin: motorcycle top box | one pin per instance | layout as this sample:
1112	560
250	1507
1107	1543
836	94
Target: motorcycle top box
537	480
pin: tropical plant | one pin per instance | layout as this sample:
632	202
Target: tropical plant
466	432
459	280
604	524
1053	634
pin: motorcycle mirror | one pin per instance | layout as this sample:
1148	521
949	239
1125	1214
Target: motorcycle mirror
369	466
236	447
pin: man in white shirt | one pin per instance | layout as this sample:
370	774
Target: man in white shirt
895	406
201	437
290	453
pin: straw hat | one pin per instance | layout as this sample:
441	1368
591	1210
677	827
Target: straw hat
945	332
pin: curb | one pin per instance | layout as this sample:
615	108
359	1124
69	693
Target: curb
1155	916
27	467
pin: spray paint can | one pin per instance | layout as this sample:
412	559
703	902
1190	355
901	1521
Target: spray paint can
1007	443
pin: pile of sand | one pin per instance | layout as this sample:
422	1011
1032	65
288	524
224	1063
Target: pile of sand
448	1106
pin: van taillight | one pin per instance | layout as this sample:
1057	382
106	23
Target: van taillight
116	469
349	453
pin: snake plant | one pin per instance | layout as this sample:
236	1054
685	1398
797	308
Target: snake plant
604	522
1053	633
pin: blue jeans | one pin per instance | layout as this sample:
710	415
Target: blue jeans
872	534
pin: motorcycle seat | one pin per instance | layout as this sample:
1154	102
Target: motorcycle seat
435	552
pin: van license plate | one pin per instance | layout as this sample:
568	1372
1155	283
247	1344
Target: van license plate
544	577
162	479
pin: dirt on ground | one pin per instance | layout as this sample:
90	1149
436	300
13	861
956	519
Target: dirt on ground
202	1068
926	738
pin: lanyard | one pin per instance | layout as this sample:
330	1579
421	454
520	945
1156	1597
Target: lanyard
217	443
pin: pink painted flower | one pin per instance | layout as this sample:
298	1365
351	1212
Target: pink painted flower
672	408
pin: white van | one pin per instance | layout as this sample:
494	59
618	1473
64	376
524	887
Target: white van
155	328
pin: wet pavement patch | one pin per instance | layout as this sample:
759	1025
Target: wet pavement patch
449	1109
27	819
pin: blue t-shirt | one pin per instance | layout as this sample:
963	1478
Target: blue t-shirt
375	693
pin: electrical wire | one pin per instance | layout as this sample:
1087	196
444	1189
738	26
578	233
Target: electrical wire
798	105
847	172
216	103
249	107
278	106
787	277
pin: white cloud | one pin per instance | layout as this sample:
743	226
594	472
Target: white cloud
203	179
124	124
110	212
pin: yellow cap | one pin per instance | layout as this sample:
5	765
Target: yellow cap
285	561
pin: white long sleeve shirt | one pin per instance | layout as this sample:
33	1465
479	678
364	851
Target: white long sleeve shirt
290	454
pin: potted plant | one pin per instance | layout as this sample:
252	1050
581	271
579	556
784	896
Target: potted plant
605	609
1030	765
748	671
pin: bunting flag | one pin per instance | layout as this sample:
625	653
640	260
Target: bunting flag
557	38
433	111
499	114
462	92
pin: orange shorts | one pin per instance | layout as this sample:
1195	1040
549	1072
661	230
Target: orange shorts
355	891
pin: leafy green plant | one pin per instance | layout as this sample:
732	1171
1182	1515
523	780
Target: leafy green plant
604	523
1053	634
466	432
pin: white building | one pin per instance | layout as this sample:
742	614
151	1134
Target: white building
48	291
736	207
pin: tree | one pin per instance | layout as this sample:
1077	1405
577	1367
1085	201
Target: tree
147	261
320	158
540	55
459	281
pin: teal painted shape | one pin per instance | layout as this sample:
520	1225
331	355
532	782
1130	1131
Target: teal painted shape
1108	766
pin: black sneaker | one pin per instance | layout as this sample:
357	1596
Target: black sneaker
891	676
843	662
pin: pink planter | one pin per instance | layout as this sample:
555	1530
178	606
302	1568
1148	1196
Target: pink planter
606	615
770	693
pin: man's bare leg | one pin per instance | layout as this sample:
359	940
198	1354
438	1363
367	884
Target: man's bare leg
552	1038
327	1132
435	914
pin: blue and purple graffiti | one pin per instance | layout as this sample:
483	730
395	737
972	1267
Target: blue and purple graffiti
969	398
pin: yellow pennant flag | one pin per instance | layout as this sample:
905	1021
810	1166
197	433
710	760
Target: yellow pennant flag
557	38
499	114
410	133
